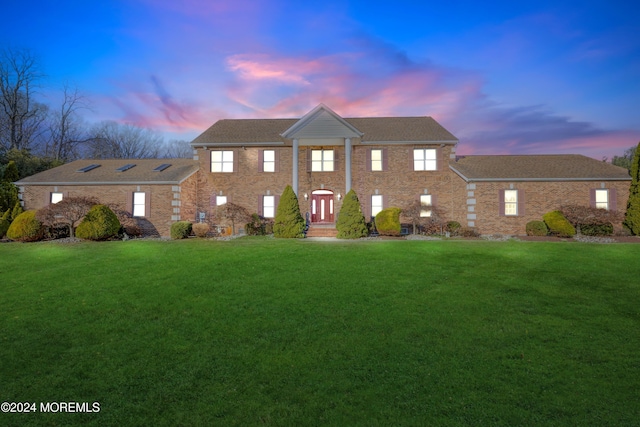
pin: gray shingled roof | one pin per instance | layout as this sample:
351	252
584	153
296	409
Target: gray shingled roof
142	173
560	167
375	129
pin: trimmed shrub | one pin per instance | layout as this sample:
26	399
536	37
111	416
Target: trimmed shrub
388	222
597	229
25	228
259	226
180	229
5	222
100	223
351	223
453	227
537	228
201	229
289	223
467	232
558	224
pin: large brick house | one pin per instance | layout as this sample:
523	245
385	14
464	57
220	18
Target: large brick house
388	161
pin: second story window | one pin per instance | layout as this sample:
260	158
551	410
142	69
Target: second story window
269	161
322	161
424	159
222	161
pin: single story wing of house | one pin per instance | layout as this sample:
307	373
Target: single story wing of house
387	161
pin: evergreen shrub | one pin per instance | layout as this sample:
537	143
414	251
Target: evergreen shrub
597	229
259	226
100	223
180	229
453	227
25	228
558	224
632	215
388	222
289	223
351	223
5	222
537	228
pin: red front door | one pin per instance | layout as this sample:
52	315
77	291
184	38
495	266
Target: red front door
322	208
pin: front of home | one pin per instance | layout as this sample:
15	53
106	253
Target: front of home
387	161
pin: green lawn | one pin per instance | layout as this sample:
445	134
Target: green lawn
291	333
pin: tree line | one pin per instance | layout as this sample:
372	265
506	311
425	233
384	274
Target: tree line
33	131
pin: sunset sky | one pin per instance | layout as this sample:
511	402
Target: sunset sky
505	77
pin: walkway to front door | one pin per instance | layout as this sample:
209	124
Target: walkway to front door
322	206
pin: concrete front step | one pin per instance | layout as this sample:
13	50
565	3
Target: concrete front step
321	232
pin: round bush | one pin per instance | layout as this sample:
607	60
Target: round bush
100	223
537	228
597	229
201	229
180	229
558	224
388	222
25	228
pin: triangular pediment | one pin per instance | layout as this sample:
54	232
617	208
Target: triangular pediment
321	123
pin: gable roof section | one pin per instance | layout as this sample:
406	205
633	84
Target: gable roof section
372	130
560	167
108	172
321	122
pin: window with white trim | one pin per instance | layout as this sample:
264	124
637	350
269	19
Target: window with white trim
322	160
511	202
425	205
269	161
269	206
376	159
602	199
139	202
424	159
56	197
222	161
376	204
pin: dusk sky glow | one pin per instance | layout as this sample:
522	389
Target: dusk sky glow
504	77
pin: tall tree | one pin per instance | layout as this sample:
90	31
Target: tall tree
632	216
625	160
111	140
65	126
21	117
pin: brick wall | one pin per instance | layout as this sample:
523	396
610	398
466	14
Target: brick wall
540	197
167	203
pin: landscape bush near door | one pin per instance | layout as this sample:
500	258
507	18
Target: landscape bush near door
388	222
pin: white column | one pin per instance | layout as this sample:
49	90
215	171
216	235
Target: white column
294	178
347	164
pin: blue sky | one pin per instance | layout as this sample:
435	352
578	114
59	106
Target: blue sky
504	77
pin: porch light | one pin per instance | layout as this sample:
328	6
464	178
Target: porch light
306	196
339	196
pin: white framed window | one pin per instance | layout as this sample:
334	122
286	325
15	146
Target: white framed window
56	197
376	204
222	161
269	206
511	202
602	199
425	205
424	159
269	161
322	160
376	159
221	200
139	203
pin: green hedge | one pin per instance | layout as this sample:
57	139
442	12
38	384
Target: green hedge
100	223
558	224
537	228
388	222
180	229
25	228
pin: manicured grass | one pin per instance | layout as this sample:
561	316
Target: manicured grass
284	333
